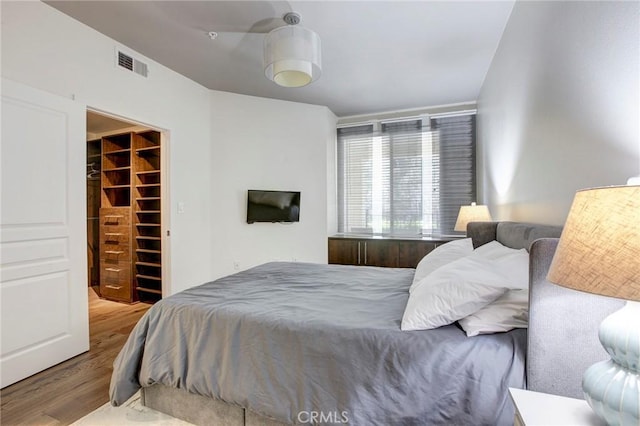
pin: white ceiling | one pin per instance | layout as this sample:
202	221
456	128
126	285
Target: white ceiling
98	123
377	56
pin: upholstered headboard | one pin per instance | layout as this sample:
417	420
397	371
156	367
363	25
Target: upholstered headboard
563	323
512	234
563	328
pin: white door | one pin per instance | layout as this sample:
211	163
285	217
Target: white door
43	279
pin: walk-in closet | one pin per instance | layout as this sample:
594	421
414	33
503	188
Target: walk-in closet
124	210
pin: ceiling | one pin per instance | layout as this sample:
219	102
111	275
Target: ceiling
99	123
377	56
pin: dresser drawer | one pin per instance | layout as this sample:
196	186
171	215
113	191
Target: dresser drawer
115	280
115	216
115	242
116	291
115	270
115	252
115	234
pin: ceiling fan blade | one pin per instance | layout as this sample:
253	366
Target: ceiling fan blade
265	25
232	16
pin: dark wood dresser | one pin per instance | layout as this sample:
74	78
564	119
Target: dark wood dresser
392	252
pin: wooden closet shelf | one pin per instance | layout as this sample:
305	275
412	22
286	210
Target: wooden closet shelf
147	198
141	237
155	265
148	152
116	187
148	148
147	224
148	277
149	290
148	185
117	169
148	212
148	251
118	151
148	172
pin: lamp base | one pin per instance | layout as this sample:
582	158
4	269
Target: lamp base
612	388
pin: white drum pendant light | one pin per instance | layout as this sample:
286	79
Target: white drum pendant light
292	54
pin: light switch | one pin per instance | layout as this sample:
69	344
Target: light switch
180	207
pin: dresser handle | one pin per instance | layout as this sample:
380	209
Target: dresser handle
113	234
112	219
114	287
112	269
113	252
365	253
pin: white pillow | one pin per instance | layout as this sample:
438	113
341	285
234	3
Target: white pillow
506	313
514	267
440	256
494	250
513	264
452	292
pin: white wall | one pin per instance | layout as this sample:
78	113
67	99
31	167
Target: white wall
274	145
221	144
46	49
559	108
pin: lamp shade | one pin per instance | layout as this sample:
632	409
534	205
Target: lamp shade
292	56
599	250
472	213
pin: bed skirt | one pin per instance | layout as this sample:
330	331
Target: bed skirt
200	410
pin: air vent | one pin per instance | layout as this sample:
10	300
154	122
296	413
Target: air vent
132	64
125	61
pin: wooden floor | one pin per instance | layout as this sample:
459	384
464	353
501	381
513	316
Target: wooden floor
66	392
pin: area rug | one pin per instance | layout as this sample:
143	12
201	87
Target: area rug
130	413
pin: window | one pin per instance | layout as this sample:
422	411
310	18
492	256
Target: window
406	177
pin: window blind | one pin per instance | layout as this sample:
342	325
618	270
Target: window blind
355	176
455	141
405	177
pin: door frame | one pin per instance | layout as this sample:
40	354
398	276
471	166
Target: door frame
165	204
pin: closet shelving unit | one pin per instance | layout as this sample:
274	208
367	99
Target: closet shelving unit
115	219
130	218
147	217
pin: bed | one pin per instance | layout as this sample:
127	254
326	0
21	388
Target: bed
321	345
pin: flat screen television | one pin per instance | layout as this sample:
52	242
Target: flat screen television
273	206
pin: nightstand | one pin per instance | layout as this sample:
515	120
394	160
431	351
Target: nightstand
542	409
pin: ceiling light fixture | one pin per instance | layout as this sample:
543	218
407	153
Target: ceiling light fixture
292	54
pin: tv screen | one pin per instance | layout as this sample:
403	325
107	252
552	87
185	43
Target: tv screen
273	206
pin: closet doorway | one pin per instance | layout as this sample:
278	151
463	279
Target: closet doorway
126	253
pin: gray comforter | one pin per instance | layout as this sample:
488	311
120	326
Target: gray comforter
287	338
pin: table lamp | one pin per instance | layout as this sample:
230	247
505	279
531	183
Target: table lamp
599	252
472	213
